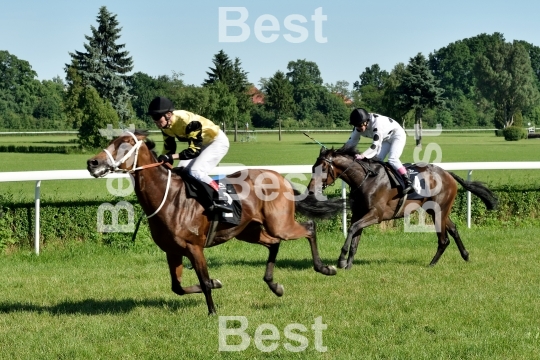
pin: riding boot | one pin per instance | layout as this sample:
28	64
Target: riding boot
220	201
408	184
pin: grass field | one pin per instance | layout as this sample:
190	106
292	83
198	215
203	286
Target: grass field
294	149
83	301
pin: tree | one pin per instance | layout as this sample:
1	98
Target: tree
418	91
371	88
505	76
18	91
143	88
373	76
534	55
222	70
223	105
235	79
71	104
104	65
49	107
279	97
341	89
390	101
96	114
306	80
453	64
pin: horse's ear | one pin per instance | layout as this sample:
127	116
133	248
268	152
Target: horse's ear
323	150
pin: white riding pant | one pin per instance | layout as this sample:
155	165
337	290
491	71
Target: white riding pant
208	159
393	147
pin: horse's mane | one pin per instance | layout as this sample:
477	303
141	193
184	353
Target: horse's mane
151	145
343	151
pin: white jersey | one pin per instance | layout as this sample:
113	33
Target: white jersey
381	129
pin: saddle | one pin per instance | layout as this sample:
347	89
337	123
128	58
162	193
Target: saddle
397	181
203	193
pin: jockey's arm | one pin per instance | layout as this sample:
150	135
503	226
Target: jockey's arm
195	141
169	144
375	146
353	139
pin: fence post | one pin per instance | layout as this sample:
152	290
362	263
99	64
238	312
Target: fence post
36	230
469	177
344	197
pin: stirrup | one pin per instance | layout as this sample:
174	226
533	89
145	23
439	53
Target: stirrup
222	208
407	190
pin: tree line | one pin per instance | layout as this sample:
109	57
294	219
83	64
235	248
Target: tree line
482	81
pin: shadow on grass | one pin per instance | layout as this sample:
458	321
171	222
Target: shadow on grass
99	307
303	264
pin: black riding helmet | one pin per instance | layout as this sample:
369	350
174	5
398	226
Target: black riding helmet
358	117
159	106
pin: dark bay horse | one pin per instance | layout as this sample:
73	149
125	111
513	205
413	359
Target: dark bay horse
374	200
179	227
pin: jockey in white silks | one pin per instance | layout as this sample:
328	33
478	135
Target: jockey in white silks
388	139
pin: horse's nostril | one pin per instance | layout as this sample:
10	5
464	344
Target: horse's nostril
92	162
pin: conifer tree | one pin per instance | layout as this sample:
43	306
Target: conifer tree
419	90
105	64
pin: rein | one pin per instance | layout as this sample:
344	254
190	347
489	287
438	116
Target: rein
135	151
367	169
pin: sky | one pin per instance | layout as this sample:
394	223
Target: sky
164	37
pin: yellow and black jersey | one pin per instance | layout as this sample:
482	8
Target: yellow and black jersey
188	127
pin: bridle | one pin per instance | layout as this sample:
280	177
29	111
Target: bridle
330	163
115	166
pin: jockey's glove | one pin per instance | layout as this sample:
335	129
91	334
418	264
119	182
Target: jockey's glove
166	158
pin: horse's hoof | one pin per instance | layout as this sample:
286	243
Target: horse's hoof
330	270
465	256
279	290
216	284
342	264
348	267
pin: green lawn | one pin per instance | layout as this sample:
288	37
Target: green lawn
84	301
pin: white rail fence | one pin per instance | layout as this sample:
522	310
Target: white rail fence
39	176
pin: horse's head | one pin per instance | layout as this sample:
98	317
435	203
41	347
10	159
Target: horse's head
328	168
123	154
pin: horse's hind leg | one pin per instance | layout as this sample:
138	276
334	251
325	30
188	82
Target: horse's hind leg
443	241
317	262
289	229
176	268
452	229
269	273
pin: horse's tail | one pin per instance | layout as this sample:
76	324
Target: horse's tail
312	207
480	190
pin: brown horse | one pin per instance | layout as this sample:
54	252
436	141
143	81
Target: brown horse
179	226
373	199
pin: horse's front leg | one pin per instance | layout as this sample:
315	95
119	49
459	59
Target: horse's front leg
176	268
353	248
196	256
347	244
353	238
